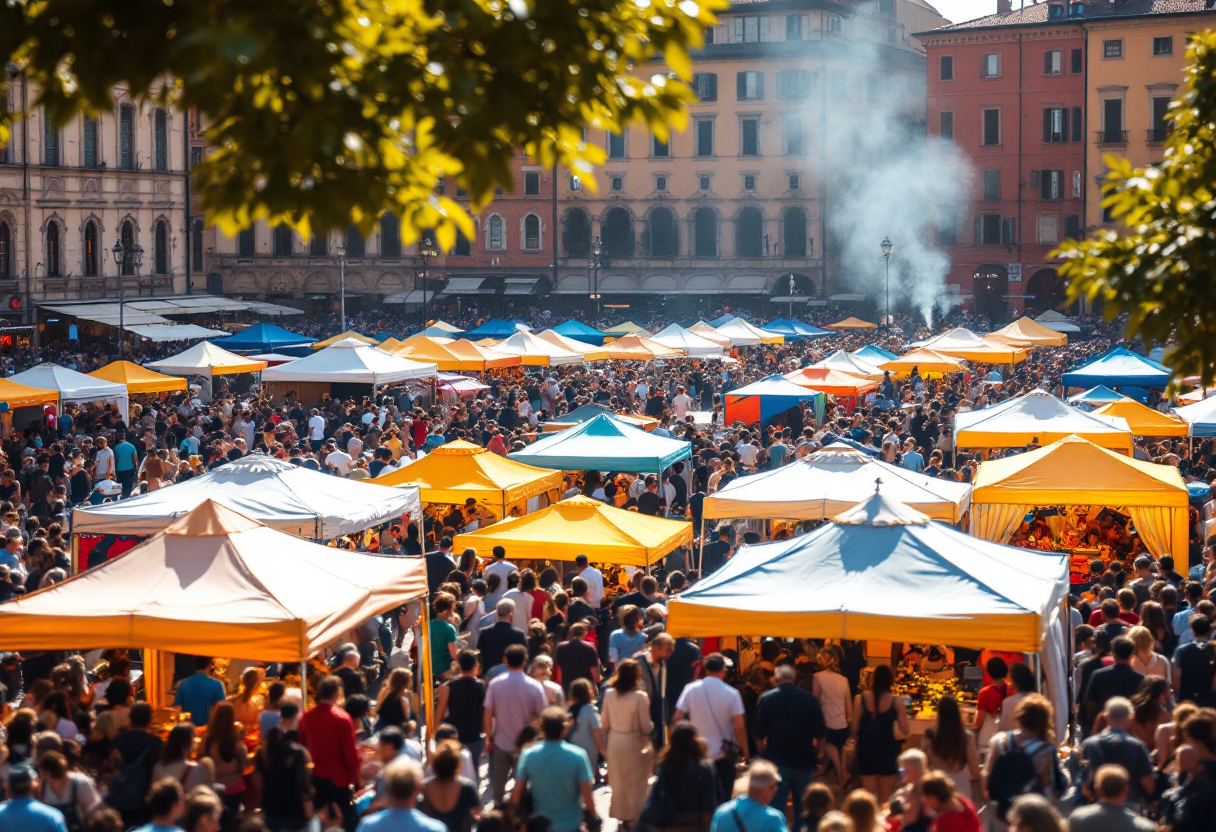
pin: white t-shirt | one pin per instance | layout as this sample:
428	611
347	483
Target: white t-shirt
595	586
748	454
501	568
105	463
711	705
682	404
340	460
316	427
523	608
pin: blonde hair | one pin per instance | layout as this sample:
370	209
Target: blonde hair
1142	638
835	821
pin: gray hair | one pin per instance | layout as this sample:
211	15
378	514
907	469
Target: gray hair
1118	708
505	608
783	673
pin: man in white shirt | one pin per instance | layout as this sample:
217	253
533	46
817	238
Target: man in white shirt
522	615
642	391
594	579
316	429
716	709
748	453
501	566
339	461
682	403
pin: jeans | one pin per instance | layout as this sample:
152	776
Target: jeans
326	793
476	749
127	480
726	777
502	766
793	783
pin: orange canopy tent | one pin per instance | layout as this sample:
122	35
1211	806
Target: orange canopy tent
452	356
637	348
832	382
22	395
852	323
138	379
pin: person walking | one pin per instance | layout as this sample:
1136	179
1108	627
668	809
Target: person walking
513	699
557	774
627	725
789	729
1110	813
586	729
751	812
832	691
459	703
403	782
716	709
686	790
1116	746
328	733
879	722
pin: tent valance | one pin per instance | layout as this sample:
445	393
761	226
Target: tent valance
20	395
138	379
1036	418
604	444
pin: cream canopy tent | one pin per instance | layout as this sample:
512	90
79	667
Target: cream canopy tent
350	362
1053	320
1074	472
589	352
73	386
283	496
830	481
639	348
677	337
740	330
627	328
965	344
704	330
851	364
342	336
1037	418
206	359
1026	332
216	583
537	352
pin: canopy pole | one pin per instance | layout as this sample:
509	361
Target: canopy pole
424	660
1069	635
76	570
303	685
701	548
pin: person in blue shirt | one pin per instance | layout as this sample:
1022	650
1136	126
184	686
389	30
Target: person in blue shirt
751	812
198	694
166	800
24	814
126	465
402	781
558	774
912	460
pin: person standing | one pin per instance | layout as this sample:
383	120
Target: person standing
716	709
880	722
627	724
1117	746
1110	814
789	729
1193	671
328	734
752	812
594	579
832	691
513	699
652	678
460	702
494	641
557	774
500	567
1117	680
126	464
198	694
403	782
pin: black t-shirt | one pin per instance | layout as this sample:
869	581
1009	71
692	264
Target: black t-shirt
681	498
649	503
713	556
580	610
284	773
466	696
1196	672
575	660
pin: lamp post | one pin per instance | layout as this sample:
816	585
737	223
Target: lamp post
886	256
791	297
426	253
342	286
593	263
120	252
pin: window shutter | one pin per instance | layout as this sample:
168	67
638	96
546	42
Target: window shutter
713	87
1007	231
738	29
978	231
1047	62
1063	124
1034	179
764	24
741	86
760	82
1045	184
1047	124
1076	124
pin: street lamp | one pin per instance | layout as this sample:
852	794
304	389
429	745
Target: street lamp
791	297
593	264
426	253
886	256
120	253
342	286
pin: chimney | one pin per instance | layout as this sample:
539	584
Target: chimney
1004	6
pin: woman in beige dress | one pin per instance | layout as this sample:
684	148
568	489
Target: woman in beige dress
627	726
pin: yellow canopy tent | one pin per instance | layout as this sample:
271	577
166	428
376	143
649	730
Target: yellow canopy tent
926	361
458	470
965	344
21	395
1144	421
1036	418
138	379
342	336
852	323
589	352
451	356
832	382
583	526
1027	332
639	348
627	328
1075	472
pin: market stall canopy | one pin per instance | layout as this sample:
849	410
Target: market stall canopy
1143	420
873	354
832	382
579	331
604	444
285	497
762	400
161	333
216	583
582	526
350	362
436	332
627	328
880	570
263	337
587	412
342	336
72	386
793	329
965	344
830	481
454	472
693	345
851	364
461	385
138	379
206	359
449	355
1027	332
535	351
446	327
1037	418
639	348
1200	416
741	333
1054	320
1074	472
16	395
852	323
1095	396
925	361
723	319
589	352
704	330
273	359
1118	368
495	328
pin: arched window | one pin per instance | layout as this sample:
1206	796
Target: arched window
749	233
246	243
53	266
705	233
281	240
127	234
495	239
160	261
532	232
354	242
618	233
91	249
6	251
390	236
126	137
318	246
577	242
793	229
663	239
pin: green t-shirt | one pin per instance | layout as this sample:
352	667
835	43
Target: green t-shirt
442	634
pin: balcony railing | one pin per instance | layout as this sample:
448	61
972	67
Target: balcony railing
1158	135
1112	138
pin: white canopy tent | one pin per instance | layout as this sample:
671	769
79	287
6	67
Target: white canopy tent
1037	418
1055	321
273	492
73	386
695	346
350	362
208	360
851	364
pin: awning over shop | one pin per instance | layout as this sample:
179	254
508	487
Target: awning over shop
174	332
521	285
463	285
151	310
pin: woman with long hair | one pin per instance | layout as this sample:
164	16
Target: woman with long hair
879	722
248	703
1021	683
1150	710
1152	618
175	759
685	781
225	747
1033	720
832	691
528	586
951	747
448	797
282	779
55	714
585	729
1146	660
395	703
627	723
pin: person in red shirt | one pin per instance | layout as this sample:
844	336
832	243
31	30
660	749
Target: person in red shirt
328	733
951	812
988	701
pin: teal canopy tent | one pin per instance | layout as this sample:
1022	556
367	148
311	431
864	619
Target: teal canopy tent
579	331
794	329
604	444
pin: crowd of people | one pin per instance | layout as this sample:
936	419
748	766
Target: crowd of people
558	686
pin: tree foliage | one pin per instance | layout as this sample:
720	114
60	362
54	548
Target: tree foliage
329	111
1160	267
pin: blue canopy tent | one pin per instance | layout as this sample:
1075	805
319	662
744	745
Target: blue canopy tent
263	337
495	328
1096	396
761	400
725	319
873	354
604	444
794	329
1119	368
579	331
1201	416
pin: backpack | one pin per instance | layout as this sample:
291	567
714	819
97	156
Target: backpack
129	786
1013	773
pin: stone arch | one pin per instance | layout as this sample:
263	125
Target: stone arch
391	282
281	284
1047	291
319	283
243	283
